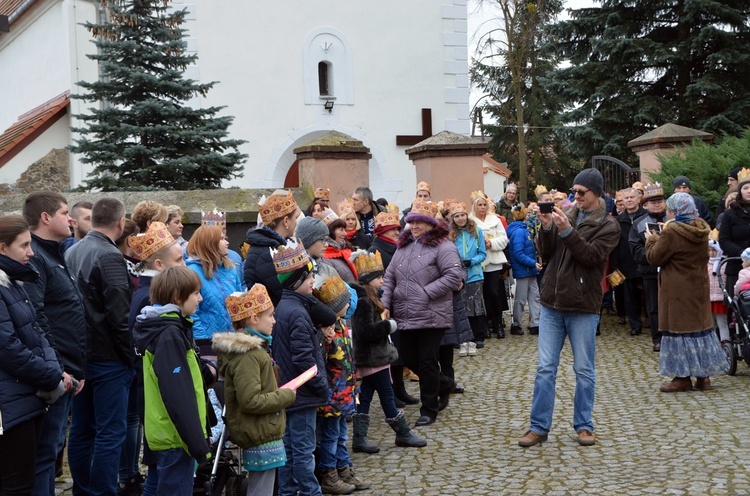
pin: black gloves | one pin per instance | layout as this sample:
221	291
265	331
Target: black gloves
467	263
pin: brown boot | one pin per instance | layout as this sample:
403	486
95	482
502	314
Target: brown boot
531	438
678	384
702	383
331	483
347	475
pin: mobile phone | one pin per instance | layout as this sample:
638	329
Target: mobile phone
653	226
546	207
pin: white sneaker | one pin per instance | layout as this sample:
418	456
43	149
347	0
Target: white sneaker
472	348
463	350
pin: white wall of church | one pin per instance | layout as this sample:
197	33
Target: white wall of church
56	137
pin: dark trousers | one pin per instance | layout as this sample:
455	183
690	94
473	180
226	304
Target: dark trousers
420	352
445	357
18	457
495	299
651	290
619	292
380	382
478	326
633	298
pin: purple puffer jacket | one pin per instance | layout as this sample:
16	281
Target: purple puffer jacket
420	280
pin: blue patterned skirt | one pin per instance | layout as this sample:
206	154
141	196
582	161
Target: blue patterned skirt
264	457
696	354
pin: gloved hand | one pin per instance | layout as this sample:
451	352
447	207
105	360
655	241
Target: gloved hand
394	326
467	263
51	396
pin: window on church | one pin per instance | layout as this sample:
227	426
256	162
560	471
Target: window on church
325	78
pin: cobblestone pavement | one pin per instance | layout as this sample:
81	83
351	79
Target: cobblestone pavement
693	443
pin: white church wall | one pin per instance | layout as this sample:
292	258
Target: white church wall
56	137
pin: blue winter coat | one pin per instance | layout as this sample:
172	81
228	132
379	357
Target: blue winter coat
27	361
522	250
472	248
212	314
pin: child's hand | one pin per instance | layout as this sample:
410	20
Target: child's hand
329	333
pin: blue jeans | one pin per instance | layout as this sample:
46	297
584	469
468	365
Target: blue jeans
333	452
51	441
380	382
176	470
580	328
98	428
299	441
131	450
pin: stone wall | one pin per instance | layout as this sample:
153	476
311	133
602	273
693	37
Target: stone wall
51	172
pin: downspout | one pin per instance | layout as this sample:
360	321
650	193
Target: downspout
20	10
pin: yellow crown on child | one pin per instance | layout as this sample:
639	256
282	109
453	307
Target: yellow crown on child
279	204
213	218
330	289
714	235
367	263
253	302
146	244
539	190
323	194
743	175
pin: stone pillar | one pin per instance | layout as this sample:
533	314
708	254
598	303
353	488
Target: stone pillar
452	164
334	161
662	140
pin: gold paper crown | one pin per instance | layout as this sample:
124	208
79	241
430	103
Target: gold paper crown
345	208
146	244
279	204
424	186
560	196
289	258
743	175
330	289
367	263
539	190
422	207
329	216
458	208
651	191
638	185
387	219
213	218
475	195
518	212
393	208
323	194
253	302
714	235
448	204
618	195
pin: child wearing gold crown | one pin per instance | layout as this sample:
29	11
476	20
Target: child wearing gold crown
334	464
254	403
373	354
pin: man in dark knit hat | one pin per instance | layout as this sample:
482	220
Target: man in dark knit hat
577	243
731	183
682	185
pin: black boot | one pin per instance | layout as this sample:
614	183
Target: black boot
404	435
397	372
498	328
360	443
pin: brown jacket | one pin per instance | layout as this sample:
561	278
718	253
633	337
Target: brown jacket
572	281
681	252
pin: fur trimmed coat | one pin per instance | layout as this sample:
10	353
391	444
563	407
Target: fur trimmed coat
419	283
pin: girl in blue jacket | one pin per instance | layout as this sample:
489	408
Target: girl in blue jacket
526	267
469	241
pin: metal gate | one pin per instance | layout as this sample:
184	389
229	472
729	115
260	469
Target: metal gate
617	174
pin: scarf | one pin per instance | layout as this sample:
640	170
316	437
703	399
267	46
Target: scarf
387	240
266	337
343	253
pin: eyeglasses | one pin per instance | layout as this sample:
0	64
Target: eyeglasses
580	192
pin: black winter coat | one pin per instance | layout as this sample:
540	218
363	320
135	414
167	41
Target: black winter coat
296	348
461	331
734	236
259	266
622	257
107	288
386	250
370	333
59	305
27	361
637	242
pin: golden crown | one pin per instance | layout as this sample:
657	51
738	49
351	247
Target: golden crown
476	195
539	190
387	219
146	244
330	289
392	207
743	175
422	207
714	235
638	185
345	208
651	191
458	208
329	216
367	263
213	218
289	258
322	194
279	204
424	186
252	302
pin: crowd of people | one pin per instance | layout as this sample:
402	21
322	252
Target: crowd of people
135	333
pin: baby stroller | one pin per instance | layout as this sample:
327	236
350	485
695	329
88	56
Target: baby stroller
223	474
738	346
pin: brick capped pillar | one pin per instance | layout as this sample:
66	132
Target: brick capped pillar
334	161
452	164
662	140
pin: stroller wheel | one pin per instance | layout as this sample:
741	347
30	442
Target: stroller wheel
731	357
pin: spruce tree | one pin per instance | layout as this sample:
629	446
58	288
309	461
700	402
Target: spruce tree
638	64
143	134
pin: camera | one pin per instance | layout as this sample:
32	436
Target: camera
546	207
653	226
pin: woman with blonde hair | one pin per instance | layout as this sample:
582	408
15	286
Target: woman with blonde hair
208	257
353	228
174	225
495	241
148	211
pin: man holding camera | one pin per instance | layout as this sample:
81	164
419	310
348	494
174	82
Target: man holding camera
577	243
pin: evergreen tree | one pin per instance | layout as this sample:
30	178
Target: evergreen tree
144	135
638	64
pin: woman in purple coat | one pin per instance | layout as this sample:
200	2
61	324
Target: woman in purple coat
418	294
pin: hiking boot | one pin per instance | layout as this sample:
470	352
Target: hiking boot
347	475
586	437
678	384
702	383
331	483
531	438
405	437
360	443
516	330
480	345
472	349
463	350
534	330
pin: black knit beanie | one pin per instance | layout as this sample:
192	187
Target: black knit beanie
591	179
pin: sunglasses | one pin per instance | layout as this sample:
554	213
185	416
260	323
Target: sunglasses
580	192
